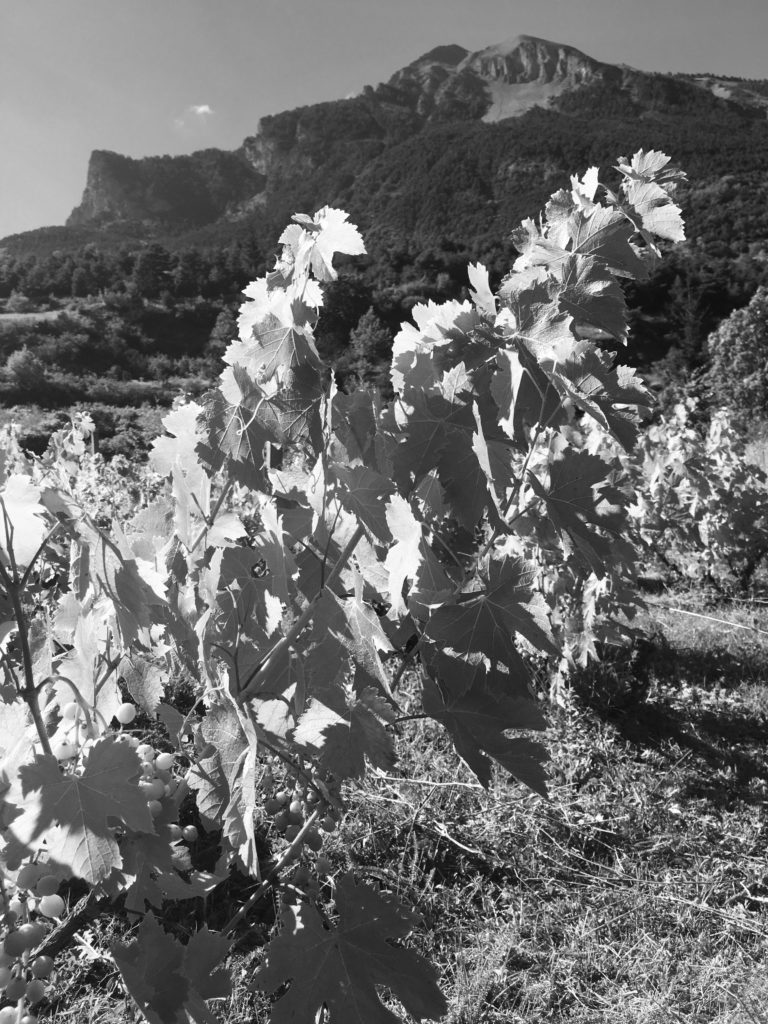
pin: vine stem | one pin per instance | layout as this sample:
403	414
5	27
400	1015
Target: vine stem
285	858
28	691
216	508
286	641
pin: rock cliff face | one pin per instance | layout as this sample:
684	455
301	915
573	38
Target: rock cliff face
525	59
181	191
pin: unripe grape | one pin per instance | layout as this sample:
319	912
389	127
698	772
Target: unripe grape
35	991
64	751
190	833
14	944
300	876
291	832
314	840
294	807
29	875
281	820
16	907
162	774
145	751
5	958
312	797
5	977
42	967
71	711
29	1018
283	796
272	806
153	790
47	885
52	906
328	824
164	762
126	713
175	833
323	866
15	989
132	741
155	808
33	934
8	1015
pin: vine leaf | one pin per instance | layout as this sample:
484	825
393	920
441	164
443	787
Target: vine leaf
77	808
146	682
21	520
169	981
84	665
340	968
611	396
344	728
591	297
484	623
404	557
476	722
177	447
364	492
111	569
576	503
235	438
150	872
480	289
213	777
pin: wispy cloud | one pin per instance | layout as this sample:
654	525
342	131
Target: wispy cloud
196	114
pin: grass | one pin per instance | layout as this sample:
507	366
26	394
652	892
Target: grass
638	894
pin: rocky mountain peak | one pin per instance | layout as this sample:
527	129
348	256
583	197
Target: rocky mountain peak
527	59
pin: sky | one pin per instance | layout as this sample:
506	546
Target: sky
147	77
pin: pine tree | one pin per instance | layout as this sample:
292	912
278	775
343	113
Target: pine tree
370	346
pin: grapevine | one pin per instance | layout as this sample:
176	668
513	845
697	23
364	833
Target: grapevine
446	532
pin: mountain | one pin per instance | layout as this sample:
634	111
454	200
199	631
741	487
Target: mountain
436	166
336	152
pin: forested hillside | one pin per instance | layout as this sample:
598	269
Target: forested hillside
151	264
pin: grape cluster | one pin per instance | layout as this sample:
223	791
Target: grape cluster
158	783
289	808
23	980
75	733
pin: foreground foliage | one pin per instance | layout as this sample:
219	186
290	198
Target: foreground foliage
305	536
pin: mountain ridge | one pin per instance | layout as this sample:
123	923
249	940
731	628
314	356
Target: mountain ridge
320	153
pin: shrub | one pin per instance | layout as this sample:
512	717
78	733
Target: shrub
738	351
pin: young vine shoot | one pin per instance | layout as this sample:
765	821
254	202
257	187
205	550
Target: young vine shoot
304	541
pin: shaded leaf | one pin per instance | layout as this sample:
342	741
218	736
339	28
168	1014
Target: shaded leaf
486	623
168	981
477	722
344	729
80	806
340	968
